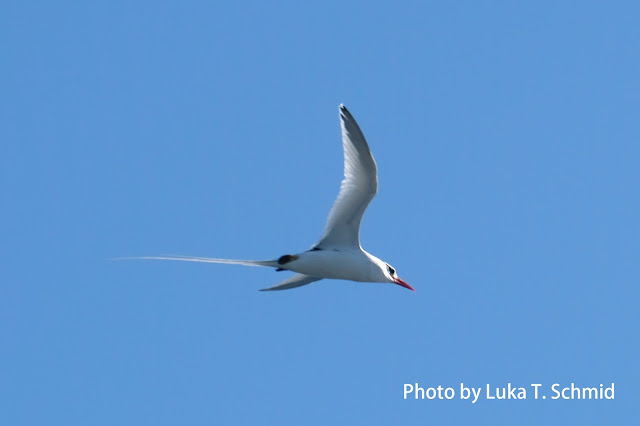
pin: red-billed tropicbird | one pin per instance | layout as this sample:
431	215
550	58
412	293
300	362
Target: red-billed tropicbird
338	253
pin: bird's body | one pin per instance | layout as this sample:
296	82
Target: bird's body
345	264
338	254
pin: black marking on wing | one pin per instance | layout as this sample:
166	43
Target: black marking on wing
286	259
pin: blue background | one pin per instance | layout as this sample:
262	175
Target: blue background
507	141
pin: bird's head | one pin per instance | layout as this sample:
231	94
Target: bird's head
392	277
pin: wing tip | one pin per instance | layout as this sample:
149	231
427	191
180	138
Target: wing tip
345	115
274	288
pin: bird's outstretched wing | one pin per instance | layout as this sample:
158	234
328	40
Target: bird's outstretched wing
358	188
292	282
268	263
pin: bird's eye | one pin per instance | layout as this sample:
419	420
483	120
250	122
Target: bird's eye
391	270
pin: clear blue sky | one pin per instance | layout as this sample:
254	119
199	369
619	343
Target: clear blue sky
508	147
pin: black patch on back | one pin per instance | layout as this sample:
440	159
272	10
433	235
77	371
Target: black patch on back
286	259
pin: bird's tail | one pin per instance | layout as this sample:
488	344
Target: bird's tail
268	263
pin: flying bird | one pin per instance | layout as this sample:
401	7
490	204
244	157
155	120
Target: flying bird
338	254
